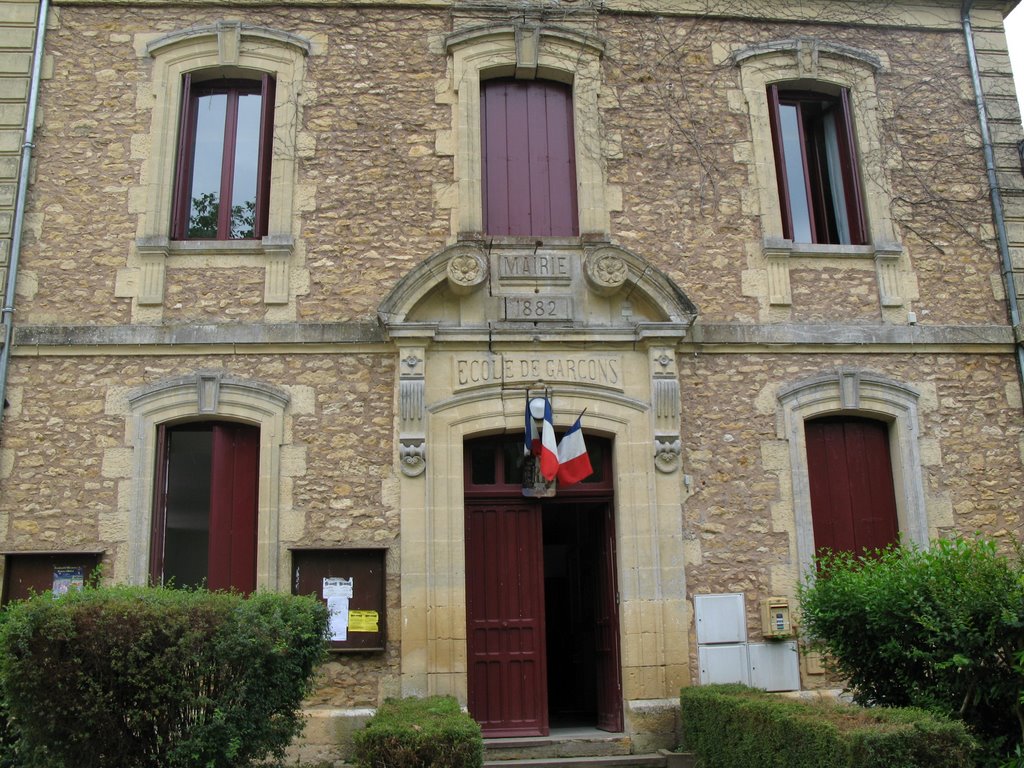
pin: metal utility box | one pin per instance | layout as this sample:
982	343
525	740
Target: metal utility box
776	621
351	582
720	618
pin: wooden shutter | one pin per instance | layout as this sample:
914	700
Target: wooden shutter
853	504
529	165
233	507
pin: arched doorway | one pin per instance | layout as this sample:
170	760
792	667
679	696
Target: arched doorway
541	596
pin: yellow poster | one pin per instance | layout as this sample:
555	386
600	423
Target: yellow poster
362	621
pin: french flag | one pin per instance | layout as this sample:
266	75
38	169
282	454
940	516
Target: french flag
548	446
573	460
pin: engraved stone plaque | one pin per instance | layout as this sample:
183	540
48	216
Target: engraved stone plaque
538	308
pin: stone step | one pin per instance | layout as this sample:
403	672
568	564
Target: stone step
560	744
604	761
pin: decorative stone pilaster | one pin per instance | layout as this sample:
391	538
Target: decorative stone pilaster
412	435
665	400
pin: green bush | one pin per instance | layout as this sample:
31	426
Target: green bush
420	733
731	726
937	629
132	677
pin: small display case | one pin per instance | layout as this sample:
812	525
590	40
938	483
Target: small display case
29	573
351	583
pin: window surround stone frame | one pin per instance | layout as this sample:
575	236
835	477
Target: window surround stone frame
525	50
855	393
811	62
214	396
235	47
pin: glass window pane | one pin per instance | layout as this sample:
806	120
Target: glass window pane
206	165
514	457
483	465
247	151
796	182
187	535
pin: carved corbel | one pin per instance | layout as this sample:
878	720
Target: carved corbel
776	256
152	253
887	259
412	436
665	401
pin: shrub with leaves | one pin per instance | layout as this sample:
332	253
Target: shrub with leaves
938	629
132	677
420	733
767	730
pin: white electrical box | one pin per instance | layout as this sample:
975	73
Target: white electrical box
720	618
725	663
775	666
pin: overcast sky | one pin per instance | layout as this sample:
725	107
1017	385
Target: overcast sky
1015	39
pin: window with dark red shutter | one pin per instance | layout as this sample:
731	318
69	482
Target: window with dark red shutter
853	503
529	158
205	510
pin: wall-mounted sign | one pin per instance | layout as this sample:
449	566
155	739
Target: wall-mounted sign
478	370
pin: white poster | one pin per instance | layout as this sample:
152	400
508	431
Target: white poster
337	592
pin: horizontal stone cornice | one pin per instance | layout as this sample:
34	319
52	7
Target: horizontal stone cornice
311	337
839	336
357	332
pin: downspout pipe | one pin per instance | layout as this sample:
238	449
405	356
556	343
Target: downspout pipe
18	225
998	214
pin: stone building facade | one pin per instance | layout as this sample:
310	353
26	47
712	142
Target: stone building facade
380	334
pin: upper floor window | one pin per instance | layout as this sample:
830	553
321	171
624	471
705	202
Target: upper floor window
816	167
529	158
222	185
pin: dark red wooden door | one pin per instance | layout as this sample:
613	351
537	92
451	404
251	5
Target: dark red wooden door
529	158
609	671
505	618
234	493
853	504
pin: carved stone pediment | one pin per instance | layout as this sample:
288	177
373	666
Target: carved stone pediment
548	289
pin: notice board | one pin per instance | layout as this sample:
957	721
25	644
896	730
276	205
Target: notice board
351	583
29	573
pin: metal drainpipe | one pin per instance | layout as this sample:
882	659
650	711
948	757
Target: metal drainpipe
993	184
7	314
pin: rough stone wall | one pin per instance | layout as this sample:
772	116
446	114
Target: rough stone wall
58	489
970	444
684	182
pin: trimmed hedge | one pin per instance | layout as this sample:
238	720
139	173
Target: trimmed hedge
420	733
134	677
732	726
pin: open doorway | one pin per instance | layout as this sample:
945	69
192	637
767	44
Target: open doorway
542	623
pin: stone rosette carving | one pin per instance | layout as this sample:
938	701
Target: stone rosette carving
467	270
606	271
